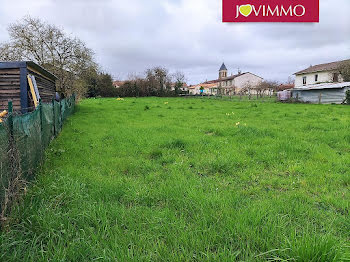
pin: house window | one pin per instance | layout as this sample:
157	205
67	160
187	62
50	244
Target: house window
304	80
335	77
316	78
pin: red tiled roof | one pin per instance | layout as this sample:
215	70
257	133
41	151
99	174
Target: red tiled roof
118	83
285	87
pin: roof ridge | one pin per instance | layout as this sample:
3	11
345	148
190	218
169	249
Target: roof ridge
321	67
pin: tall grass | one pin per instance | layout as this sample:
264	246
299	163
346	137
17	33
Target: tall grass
182	181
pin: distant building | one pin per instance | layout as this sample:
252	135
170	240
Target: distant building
318	74
283	87
184	87
228	85
321	84
205	89
118	84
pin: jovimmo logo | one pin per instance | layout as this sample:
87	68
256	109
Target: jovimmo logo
305	11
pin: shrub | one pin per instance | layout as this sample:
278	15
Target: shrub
347	97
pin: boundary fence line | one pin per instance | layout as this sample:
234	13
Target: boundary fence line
23	140
238	98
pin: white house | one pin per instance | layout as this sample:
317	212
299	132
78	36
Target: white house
228	85
320	84
204	89
319	74
239	80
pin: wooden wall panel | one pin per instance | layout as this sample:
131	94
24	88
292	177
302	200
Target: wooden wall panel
47	88
10	88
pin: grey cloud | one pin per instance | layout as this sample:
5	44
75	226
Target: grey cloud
188	35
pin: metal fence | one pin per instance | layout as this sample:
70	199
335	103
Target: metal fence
23	139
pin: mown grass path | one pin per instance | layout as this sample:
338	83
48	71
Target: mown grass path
170	179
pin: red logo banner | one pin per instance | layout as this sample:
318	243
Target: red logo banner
294	11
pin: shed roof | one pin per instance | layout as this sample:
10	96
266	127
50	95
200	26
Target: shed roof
322	67
324	86
21	64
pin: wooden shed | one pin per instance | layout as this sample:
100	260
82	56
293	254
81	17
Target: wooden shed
14	84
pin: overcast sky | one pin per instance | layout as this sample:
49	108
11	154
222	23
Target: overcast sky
129	36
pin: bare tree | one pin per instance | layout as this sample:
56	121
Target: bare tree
179	79
49	46
266	87
134	76
158	79
244	90
247	89
290	80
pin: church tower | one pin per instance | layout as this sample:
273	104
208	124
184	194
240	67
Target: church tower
223	71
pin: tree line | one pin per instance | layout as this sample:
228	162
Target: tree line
157	81
74	64
67	57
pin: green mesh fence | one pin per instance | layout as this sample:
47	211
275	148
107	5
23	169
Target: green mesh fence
4	165
47	124
63	110
27	138
31	133
67	107
57	117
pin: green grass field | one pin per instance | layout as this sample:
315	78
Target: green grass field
172	179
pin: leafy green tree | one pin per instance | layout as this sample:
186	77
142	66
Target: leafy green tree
100	84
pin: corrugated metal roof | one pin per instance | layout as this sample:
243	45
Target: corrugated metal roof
324	86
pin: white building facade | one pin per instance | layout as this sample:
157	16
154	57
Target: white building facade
233	84
319	74
321	84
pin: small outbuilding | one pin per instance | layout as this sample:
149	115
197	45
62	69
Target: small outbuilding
327	93
284	95
24	81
